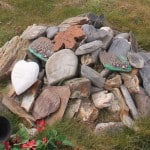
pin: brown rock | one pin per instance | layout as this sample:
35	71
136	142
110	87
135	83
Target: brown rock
115	82
64	94
80	87
131	82
10	53
67	39
29	96
48	102
142	102
88	112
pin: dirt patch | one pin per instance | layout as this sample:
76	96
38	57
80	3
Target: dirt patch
5	5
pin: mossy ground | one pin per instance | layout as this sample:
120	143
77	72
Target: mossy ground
123	15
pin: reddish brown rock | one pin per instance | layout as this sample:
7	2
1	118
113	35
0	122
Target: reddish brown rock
115	82
67	39
64	94
48	102
80	87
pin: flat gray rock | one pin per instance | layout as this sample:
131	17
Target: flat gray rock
120	46
135	60
61	65
122	35
146	57
89	47
33	32
93	76
92	33
52	31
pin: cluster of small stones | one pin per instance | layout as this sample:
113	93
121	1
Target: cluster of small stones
72	81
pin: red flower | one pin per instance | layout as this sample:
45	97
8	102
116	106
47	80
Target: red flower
30	144
7	145
40	125
45	140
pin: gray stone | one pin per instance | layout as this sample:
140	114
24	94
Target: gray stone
48	102
88	47
107	40
109	127
72	21
145	74
52	31
93	76
122	35
142	101
92	33
79	87
146	57
135	60
61	65
33	32
87	111
72	108
90	59
102	99
95	89
120	46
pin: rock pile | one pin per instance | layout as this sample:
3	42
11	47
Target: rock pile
75	70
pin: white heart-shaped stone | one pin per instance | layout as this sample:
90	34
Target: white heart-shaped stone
24	75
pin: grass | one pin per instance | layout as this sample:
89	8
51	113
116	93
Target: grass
121	15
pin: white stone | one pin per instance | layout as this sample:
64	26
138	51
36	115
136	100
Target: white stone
102	99
24	75
61	65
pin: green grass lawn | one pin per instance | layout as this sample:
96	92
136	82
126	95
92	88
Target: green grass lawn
123	15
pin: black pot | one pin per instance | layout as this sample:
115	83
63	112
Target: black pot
5	128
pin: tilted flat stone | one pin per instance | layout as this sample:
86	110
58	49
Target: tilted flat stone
48	102
61	65
80	87
93	76
135	60
10	53
120	46
33	32
122	35
88	47
52	31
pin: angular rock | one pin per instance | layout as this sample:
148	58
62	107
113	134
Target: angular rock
129	102
71	22
102	99
146	57
122	35
95	89
90	59
142	102
108	39
104	72
88	112
16	109
72	108
111	127
64	94
97	21
48	102
115	82
68	39
10	53
29	97
24	75
42	48
93	76
80	87
61	65
52	31
120	46
33	32
88	47
92	33
135	60
131	82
